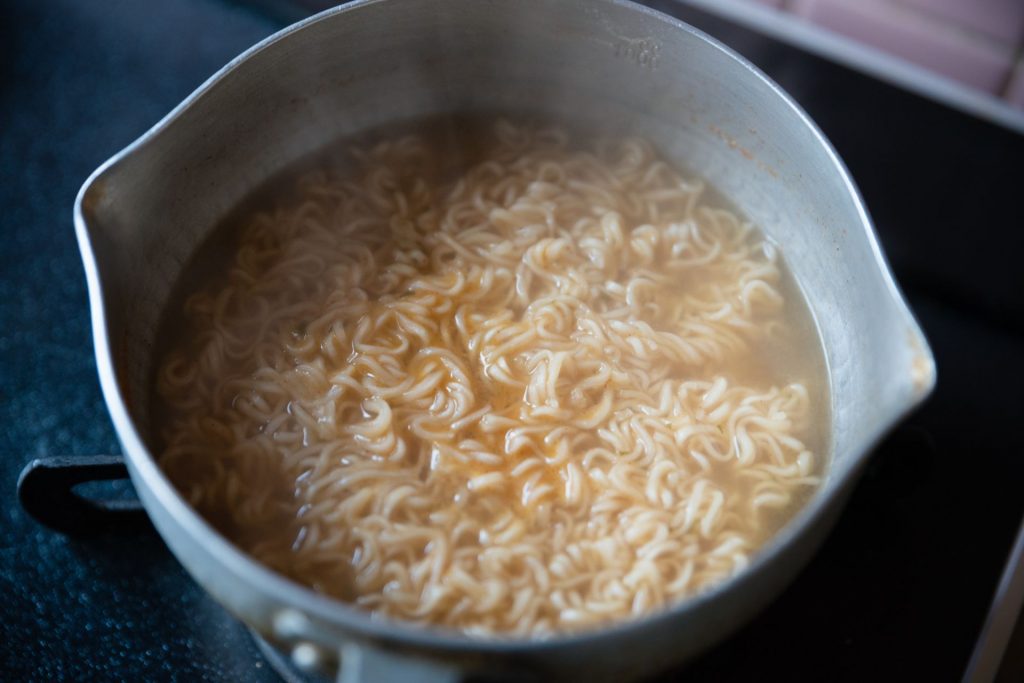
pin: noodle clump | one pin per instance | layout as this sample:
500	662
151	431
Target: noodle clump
495	397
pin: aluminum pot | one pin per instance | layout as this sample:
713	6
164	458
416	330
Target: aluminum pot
142	214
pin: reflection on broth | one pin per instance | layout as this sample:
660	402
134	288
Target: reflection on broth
494	377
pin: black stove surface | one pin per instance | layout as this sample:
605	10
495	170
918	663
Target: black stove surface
900	589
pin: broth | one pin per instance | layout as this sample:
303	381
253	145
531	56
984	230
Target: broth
505	378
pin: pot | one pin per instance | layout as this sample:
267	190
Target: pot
142	214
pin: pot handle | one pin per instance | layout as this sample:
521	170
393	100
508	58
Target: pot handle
46	492
313	651
366	664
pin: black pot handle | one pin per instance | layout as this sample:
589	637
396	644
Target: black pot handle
46	493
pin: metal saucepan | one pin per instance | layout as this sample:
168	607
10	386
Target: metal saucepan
142	214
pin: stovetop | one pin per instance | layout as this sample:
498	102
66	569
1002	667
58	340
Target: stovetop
900	589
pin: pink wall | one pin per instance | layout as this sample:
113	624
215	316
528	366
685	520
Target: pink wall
979	43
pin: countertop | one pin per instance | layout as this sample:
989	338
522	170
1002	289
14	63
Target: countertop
898	591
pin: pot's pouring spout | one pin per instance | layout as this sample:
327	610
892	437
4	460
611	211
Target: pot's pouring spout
922	368
912	379
909	383
121	282
880	364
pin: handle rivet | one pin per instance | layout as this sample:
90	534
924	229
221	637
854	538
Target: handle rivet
307	656
290	624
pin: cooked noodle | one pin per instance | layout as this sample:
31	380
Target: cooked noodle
499	402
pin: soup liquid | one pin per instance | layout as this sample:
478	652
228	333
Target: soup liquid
287	410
